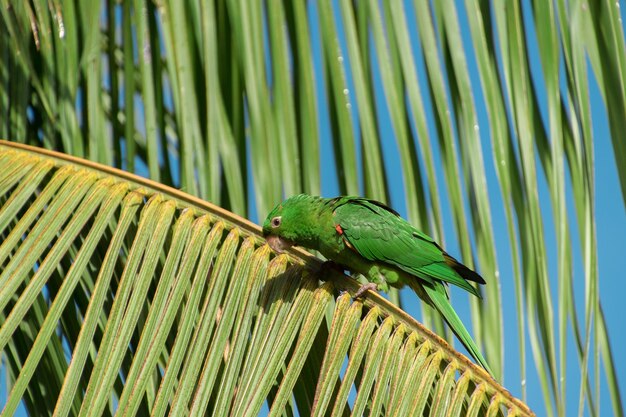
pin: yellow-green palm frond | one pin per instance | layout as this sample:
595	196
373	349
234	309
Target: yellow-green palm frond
129	298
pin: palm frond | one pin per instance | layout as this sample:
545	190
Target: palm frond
131	298
240	104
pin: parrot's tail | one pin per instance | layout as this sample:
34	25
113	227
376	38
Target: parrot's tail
462	270
439	299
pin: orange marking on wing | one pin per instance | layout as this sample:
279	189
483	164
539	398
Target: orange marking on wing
339	229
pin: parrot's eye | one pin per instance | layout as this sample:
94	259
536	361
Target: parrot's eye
276	221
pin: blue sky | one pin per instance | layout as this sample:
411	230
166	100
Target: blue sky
610	216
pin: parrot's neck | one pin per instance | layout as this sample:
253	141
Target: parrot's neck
317	226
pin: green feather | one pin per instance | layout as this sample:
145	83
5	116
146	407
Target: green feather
439	299
382	236
443	272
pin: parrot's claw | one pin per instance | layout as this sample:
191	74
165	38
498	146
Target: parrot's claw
370	286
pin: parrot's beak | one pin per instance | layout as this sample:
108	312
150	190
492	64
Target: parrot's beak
278	244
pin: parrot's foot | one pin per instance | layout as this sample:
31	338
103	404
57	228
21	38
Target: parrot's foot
329	268
364	288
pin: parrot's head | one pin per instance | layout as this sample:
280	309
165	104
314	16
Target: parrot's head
292	222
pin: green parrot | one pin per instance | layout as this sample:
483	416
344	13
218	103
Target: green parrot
369	238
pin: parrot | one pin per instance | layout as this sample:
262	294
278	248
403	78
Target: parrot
367	237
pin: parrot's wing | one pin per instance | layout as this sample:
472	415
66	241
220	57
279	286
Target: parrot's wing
379	234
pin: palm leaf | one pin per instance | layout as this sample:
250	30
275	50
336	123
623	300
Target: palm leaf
127	297
240	104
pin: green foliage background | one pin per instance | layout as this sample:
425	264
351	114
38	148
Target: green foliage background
146	82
